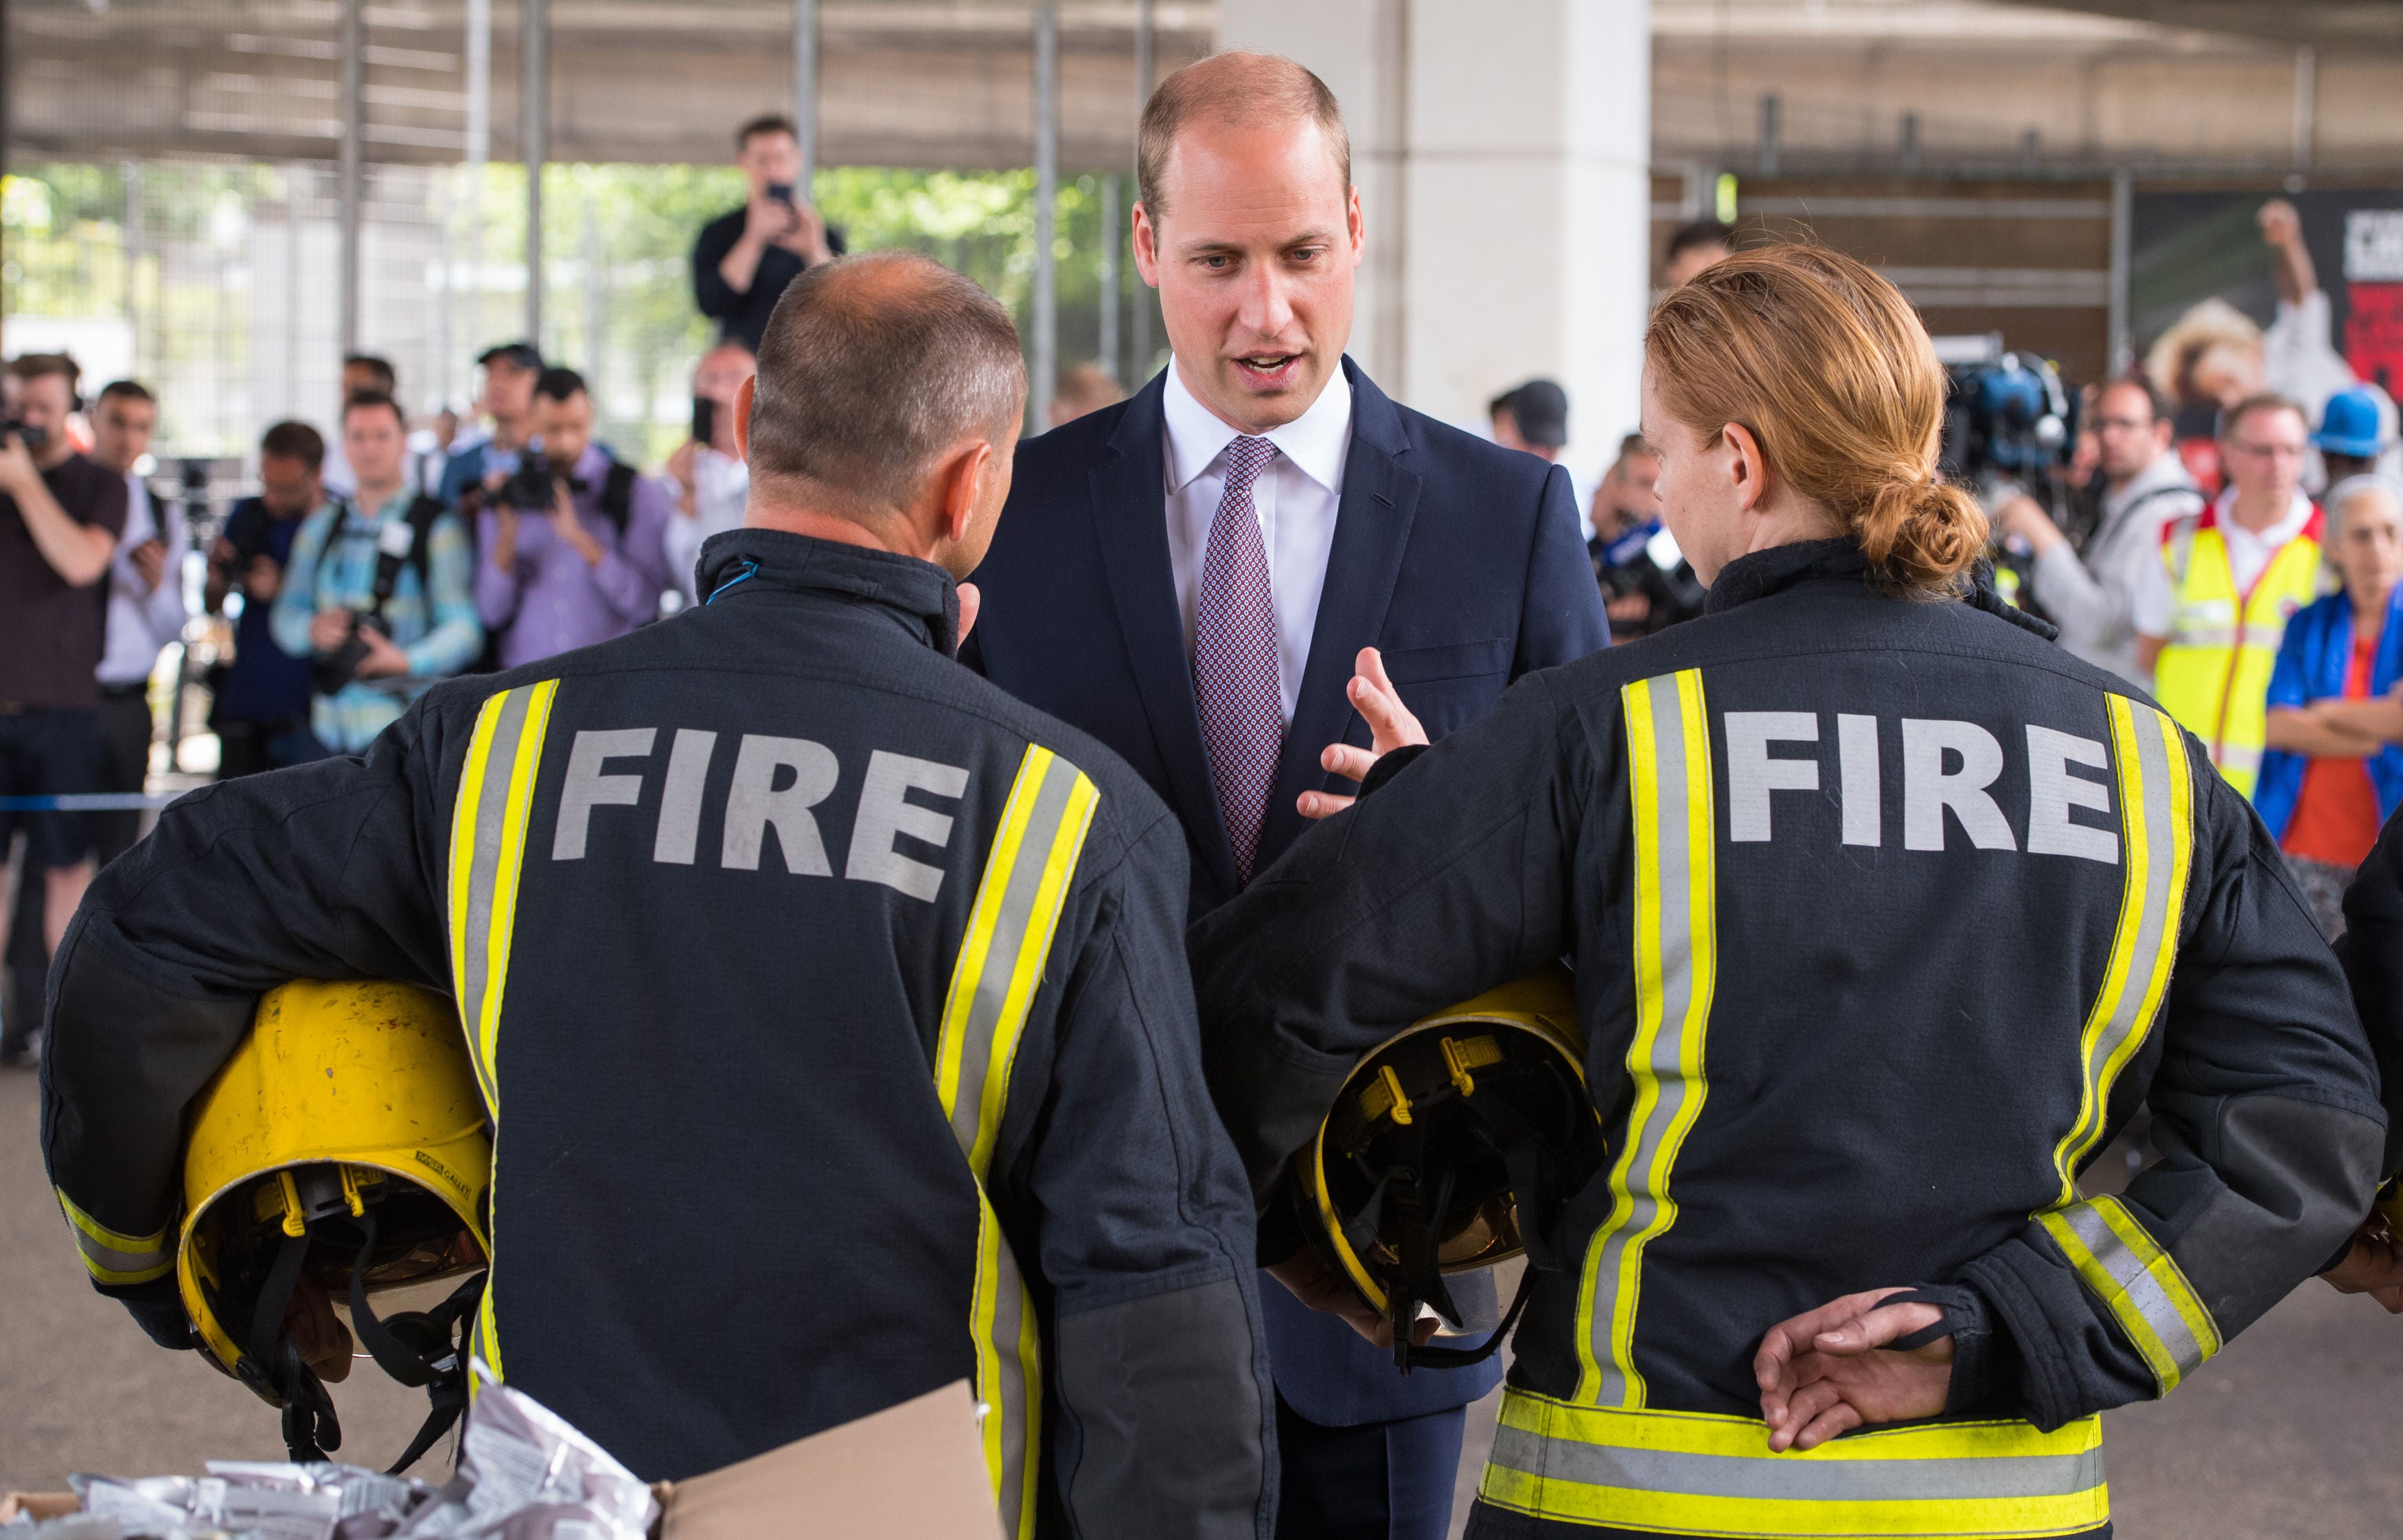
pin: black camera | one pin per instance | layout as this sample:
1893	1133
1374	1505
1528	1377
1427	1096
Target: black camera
394	544
338	668
529	486
34	438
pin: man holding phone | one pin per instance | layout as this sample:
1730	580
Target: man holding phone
744	260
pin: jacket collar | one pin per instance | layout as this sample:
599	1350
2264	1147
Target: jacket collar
1759	573
1762	573
920	596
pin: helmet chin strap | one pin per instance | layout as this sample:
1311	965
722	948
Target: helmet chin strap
418	1348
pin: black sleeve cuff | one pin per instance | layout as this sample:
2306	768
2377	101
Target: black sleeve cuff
1390	764
157	1306
1281	1233
1985	1362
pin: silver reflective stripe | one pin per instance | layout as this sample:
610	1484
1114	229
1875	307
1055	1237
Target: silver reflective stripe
2145	1305
2236	757
117	1264
1775	1477
2203	636
1029	869
487	822
2153	810
1007	944
1016	1397
1675	960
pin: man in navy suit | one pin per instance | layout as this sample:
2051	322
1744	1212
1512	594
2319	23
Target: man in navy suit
1193	575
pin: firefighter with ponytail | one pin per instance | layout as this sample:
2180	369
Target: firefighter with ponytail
1883	913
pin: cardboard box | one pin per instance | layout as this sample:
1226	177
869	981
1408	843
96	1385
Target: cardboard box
36	1505
912	1472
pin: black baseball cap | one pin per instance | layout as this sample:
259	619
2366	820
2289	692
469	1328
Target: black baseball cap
1541	410
524	355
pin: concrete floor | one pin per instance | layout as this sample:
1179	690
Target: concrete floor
2288	1435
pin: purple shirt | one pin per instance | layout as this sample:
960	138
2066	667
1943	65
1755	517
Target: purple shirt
552	600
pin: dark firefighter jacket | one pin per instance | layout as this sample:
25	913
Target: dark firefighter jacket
2373	949
1883	915
792	957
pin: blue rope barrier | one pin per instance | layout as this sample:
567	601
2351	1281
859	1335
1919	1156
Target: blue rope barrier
111	801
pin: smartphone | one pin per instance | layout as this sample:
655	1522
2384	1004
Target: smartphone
704	420
780	191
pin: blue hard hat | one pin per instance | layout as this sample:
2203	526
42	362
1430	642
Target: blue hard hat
2349	424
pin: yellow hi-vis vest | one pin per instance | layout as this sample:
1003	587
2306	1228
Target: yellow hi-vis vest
2213	674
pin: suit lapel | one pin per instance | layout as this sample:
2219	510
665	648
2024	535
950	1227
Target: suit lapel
1131	524
1372	528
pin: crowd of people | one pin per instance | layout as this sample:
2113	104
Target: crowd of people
1003	894
371	564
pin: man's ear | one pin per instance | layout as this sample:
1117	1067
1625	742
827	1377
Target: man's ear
1146	247
962	485
743	416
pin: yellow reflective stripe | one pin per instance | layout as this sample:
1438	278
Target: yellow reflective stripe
488	834
2142	1285
2157	843
1019	899
1009	1372
112	1256
1677	959
1691	1473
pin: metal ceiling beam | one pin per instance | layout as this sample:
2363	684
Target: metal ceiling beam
2346	25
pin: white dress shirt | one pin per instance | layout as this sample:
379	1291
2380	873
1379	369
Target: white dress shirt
1295	500
142	621
2092	595
721	488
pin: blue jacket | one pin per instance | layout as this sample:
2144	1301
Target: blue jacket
1460	560
2311	664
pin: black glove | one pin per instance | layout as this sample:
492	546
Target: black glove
159	1307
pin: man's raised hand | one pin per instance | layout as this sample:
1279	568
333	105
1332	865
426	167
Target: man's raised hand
1391	726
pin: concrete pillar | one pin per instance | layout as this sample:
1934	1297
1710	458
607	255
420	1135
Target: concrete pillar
1045	362
534	91
1504	177
805	91
352	177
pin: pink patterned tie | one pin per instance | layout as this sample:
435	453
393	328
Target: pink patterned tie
1235	657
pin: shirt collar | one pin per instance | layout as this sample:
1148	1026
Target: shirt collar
1316	442
2298	513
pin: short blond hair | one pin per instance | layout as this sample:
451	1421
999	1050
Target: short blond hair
1233	88
1828	366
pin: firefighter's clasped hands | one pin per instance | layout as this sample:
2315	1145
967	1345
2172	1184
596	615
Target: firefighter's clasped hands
1827	1371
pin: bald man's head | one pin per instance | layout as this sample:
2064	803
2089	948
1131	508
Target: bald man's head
872	368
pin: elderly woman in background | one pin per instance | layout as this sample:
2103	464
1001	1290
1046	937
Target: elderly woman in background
2333	772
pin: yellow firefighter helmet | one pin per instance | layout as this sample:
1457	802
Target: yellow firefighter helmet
1450	1147
345	1144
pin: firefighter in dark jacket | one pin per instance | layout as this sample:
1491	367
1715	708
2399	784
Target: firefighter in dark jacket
1884	913
2373	949
837	1001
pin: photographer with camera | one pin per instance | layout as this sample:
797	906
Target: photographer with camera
1647	583
259	702
480	459
378	590
712	481
575	543
744	260
61	516
2088	586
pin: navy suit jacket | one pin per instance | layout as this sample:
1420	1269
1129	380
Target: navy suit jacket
1459	560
